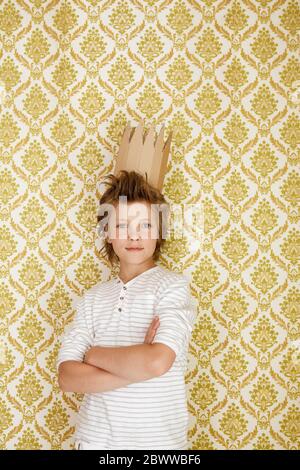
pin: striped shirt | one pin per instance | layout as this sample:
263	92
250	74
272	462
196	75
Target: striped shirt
151	414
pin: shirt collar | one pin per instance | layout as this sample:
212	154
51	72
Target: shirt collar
119	280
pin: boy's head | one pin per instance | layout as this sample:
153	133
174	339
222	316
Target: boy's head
132	214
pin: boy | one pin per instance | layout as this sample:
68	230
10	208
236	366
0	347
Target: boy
132	374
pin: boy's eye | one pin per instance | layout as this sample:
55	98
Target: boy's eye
147	224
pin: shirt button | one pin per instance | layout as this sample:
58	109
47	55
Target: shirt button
119	309
121	298
124	287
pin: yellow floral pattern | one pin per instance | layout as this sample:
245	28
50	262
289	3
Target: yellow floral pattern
224	77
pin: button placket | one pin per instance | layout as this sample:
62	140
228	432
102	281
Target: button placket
121	299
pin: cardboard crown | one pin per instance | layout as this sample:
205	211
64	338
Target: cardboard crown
145	154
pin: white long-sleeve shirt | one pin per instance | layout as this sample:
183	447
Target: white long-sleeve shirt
150	414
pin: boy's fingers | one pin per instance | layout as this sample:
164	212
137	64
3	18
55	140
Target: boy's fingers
152	330
153	326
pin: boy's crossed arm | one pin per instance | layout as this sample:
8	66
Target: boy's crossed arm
108	368
137	362
75	376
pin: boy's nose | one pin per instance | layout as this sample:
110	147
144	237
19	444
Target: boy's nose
134	237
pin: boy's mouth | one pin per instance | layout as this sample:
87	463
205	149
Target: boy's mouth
134	249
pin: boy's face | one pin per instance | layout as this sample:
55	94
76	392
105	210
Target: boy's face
133	225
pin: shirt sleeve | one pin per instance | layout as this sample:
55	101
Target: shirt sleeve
77	337
177	314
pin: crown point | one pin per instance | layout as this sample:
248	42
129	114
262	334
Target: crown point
147	154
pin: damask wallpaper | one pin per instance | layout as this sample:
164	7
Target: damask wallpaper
224	77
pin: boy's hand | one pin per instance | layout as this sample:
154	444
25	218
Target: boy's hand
87	355
151	332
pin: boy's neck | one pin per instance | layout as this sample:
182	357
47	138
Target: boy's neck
128	272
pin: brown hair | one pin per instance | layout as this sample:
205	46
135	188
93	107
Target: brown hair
137	189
